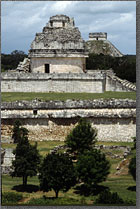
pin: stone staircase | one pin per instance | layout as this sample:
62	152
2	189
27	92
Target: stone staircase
124	83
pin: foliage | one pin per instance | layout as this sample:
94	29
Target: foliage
92	167
53	201
124	67
106	197
18	132
11	61
132	167
11	197
57	173
132	164
27	159
135	142
81	138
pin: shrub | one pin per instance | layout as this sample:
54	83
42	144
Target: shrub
132	167
11	197
106	197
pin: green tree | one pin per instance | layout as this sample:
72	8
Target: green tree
11	61
27	158
81	138
132	167
18	132
92	167
57	173
132	164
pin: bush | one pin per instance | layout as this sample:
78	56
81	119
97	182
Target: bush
11	197
132	167
106	197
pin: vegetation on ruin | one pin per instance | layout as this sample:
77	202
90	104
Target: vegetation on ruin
18	96
124	67
11	61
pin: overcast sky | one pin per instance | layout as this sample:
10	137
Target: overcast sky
22	20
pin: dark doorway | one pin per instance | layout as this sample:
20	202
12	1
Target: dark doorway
47	68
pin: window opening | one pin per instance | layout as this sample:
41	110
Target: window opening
47	68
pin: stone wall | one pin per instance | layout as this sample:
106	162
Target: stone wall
33	82
115	120
58	65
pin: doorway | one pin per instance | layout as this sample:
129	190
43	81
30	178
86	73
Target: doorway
47	68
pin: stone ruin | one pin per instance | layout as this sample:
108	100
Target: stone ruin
60	48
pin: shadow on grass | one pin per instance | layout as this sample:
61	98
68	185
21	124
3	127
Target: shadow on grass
87	191
28	188
132	188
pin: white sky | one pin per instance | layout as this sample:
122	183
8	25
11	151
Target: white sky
22	20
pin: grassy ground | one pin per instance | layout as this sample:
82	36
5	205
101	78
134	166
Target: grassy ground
44	147
14	96
119	183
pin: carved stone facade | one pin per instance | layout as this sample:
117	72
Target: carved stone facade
59	48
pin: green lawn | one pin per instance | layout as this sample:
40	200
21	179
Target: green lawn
45	146
14	96
120	184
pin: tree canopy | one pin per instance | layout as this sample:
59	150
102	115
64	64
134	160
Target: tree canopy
11	61
124	67
57	173
81	138
92	167
27	158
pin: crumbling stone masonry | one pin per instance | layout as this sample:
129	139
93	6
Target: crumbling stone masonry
53	120
59	48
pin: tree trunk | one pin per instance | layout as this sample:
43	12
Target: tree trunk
56	193
24	180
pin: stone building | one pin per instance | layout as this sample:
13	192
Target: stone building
59	48
97	36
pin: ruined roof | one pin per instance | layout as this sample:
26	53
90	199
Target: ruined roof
59	36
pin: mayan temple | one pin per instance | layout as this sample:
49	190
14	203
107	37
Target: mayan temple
59	48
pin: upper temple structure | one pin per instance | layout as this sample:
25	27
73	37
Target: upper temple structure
57	62
59	48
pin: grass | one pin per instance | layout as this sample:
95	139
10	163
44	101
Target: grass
18	96
46	146
117	183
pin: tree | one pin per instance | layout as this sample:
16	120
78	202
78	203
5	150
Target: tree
18	132
92	167
81	138
132	167
57	173
132	164
27	158
11	61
